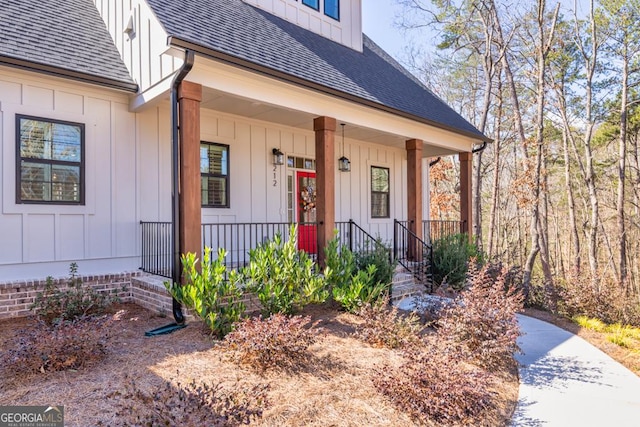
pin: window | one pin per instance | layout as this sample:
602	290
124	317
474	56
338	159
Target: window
332	9
49	161
312	3
214	174
379	192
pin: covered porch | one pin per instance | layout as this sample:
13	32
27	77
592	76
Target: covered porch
255	155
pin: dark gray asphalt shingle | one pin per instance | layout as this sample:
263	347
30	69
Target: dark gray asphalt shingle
65	34
234	28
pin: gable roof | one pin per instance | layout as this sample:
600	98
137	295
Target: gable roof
61	37
240	34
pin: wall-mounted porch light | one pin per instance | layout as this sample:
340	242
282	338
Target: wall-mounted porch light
344	165
278	157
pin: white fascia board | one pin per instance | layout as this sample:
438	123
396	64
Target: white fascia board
152	96
250	85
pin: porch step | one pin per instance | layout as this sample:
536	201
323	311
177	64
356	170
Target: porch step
404	285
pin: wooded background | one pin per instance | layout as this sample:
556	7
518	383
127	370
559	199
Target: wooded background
556	85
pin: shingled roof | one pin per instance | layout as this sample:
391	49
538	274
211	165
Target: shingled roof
64	37
259	40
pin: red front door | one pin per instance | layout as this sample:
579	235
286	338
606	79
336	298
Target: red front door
306	190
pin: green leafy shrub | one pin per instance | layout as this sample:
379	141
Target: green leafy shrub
283	277
190	405
64	345
340	264
380	256
279	341
451	255
482	322
435	386
352	285
54	305
212	296
385	326
360	290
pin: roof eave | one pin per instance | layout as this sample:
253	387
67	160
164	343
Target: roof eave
69	74
252	66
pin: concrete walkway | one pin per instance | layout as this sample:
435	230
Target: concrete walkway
565	382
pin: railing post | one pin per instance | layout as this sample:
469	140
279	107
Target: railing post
351	235
395	239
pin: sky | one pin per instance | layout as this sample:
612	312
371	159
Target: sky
377	21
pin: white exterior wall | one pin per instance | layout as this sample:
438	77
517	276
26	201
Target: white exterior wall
42	239
346	31
143	53
254	198
128	178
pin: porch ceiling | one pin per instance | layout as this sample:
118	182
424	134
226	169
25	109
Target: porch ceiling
213	99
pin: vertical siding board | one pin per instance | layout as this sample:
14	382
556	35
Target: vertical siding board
258	174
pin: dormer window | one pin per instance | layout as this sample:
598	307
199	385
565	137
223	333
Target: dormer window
331	7
315	4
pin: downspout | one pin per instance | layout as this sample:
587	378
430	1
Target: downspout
479	149
176	270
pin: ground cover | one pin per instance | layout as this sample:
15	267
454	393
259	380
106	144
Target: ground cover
335	387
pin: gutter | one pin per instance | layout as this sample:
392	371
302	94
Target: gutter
270	72
176	270
68	74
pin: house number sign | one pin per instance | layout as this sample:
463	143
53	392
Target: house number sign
275	176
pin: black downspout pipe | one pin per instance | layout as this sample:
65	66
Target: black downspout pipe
479	149
176	269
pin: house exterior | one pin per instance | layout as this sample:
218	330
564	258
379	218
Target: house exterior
122	117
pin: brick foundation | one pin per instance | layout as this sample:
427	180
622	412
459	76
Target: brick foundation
16	297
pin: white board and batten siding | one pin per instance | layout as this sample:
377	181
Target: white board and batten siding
255	198
346	31
143	52
42	239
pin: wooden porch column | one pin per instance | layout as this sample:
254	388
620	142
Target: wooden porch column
325	128
414	193
466	213
189	97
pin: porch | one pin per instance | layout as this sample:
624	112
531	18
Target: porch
409	251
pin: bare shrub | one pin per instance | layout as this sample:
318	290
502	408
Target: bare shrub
190	405
385	326
607	302
482	322
433	385
65	345
278	341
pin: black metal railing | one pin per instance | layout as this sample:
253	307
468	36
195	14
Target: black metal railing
156	248
433	230
238	239
413	253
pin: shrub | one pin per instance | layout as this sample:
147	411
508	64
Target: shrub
65	345
283	277
378	255
451	256
276	342
340	265
351	285
190	405
54	305
607	301
385	326
215	298
482	322
435	386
